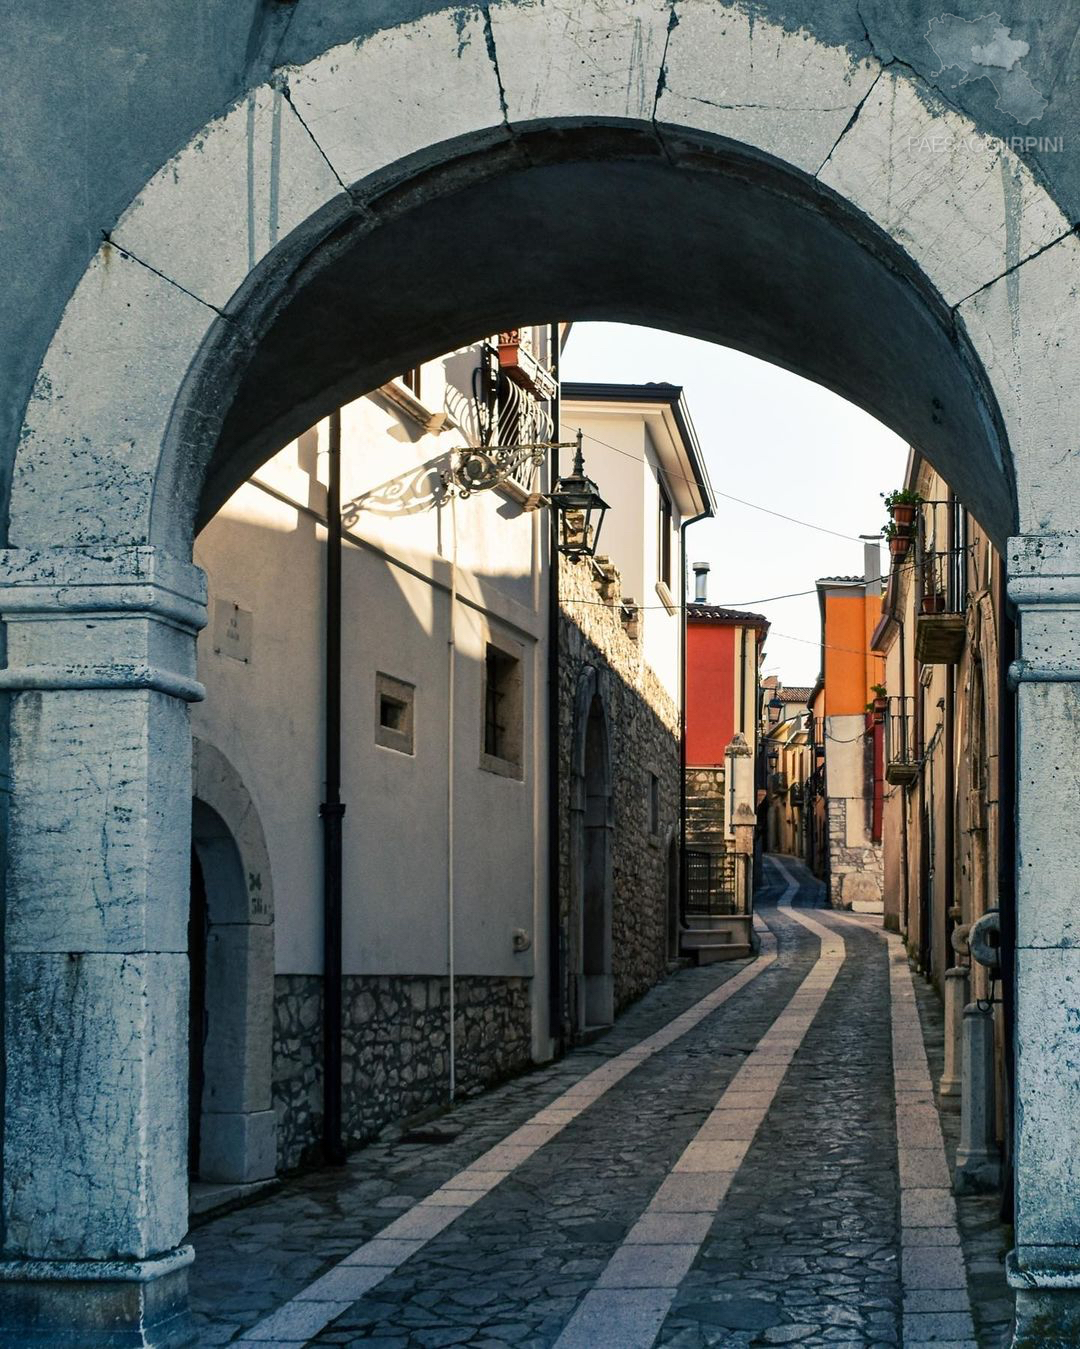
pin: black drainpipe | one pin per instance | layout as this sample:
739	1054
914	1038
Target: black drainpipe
682	711
331	812
556	1008
682	724
1007	862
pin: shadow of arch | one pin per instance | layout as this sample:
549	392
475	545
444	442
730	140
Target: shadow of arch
592	823
237	1126
734	247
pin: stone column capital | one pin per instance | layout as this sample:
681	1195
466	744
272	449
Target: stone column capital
101	618
1044	584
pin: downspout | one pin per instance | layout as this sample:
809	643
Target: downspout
682	725
682	710
955	601
331	812
905	798
1007	862
556	1006
451	969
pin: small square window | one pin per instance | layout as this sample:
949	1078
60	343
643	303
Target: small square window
503	713
394	713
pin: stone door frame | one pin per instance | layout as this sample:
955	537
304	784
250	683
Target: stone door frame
238	1135
591	794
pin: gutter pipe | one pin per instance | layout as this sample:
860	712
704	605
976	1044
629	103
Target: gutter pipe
332	811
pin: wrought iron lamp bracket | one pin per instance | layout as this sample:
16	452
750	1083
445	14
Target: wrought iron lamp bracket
481	467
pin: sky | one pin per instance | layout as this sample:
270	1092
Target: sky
774	439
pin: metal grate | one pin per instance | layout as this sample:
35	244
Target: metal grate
716	884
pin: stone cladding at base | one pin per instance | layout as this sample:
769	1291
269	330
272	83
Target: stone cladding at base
645	739
855	873
396	1053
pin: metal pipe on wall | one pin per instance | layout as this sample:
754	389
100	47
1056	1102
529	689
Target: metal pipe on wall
331	811
556	1008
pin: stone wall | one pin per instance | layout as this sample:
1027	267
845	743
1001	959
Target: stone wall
396	1058
856	872
644	739
706	808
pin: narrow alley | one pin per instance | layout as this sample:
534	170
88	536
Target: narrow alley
735	1164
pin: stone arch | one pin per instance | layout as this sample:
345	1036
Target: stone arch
592	824
321	165
796	192
238	1134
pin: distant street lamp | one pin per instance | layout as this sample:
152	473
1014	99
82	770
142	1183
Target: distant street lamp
581	510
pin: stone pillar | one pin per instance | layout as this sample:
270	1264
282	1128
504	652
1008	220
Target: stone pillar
1044	1268
100	667
956	996
978	1164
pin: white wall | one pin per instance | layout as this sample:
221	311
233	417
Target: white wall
621	457
266	715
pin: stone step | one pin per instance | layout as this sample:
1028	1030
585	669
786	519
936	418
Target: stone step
728	950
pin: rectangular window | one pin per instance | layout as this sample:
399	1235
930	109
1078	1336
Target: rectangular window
653	798
503	713
663	537
394	713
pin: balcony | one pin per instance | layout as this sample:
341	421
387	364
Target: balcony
940	583
902	760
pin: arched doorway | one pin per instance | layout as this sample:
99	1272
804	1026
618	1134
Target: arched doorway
233	1125
591	825
774	223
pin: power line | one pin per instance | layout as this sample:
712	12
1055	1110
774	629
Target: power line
753	505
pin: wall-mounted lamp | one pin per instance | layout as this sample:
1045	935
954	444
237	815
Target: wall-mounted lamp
581	510
774	709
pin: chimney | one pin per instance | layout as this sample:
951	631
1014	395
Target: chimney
872	563
701	582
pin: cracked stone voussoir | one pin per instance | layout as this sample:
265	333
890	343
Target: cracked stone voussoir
88	458
210	214
740	76
961	203
1024	330
372	103
598	59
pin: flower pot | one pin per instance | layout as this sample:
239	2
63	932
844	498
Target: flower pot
903	514
899	544
933	603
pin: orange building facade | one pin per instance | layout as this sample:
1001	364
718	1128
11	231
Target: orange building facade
851	733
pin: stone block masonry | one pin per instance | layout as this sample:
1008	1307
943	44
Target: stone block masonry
856	872
396	1059
644	743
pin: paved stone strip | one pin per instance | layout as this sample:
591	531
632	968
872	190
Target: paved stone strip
311	1310
636	1289
937	1307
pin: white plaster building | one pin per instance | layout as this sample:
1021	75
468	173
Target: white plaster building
444	825
444	719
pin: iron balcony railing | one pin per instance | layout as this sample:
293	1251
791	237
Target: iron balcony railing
717	884
902	758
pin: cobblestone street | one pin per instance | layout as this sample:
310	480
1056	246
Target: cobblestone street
721	1169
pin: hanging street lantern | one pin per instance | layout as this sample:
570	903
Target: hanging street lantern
581	510
775	707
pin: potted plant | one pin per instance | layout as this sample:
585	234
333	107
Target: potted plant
901	505
933	602
899	538
879	704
